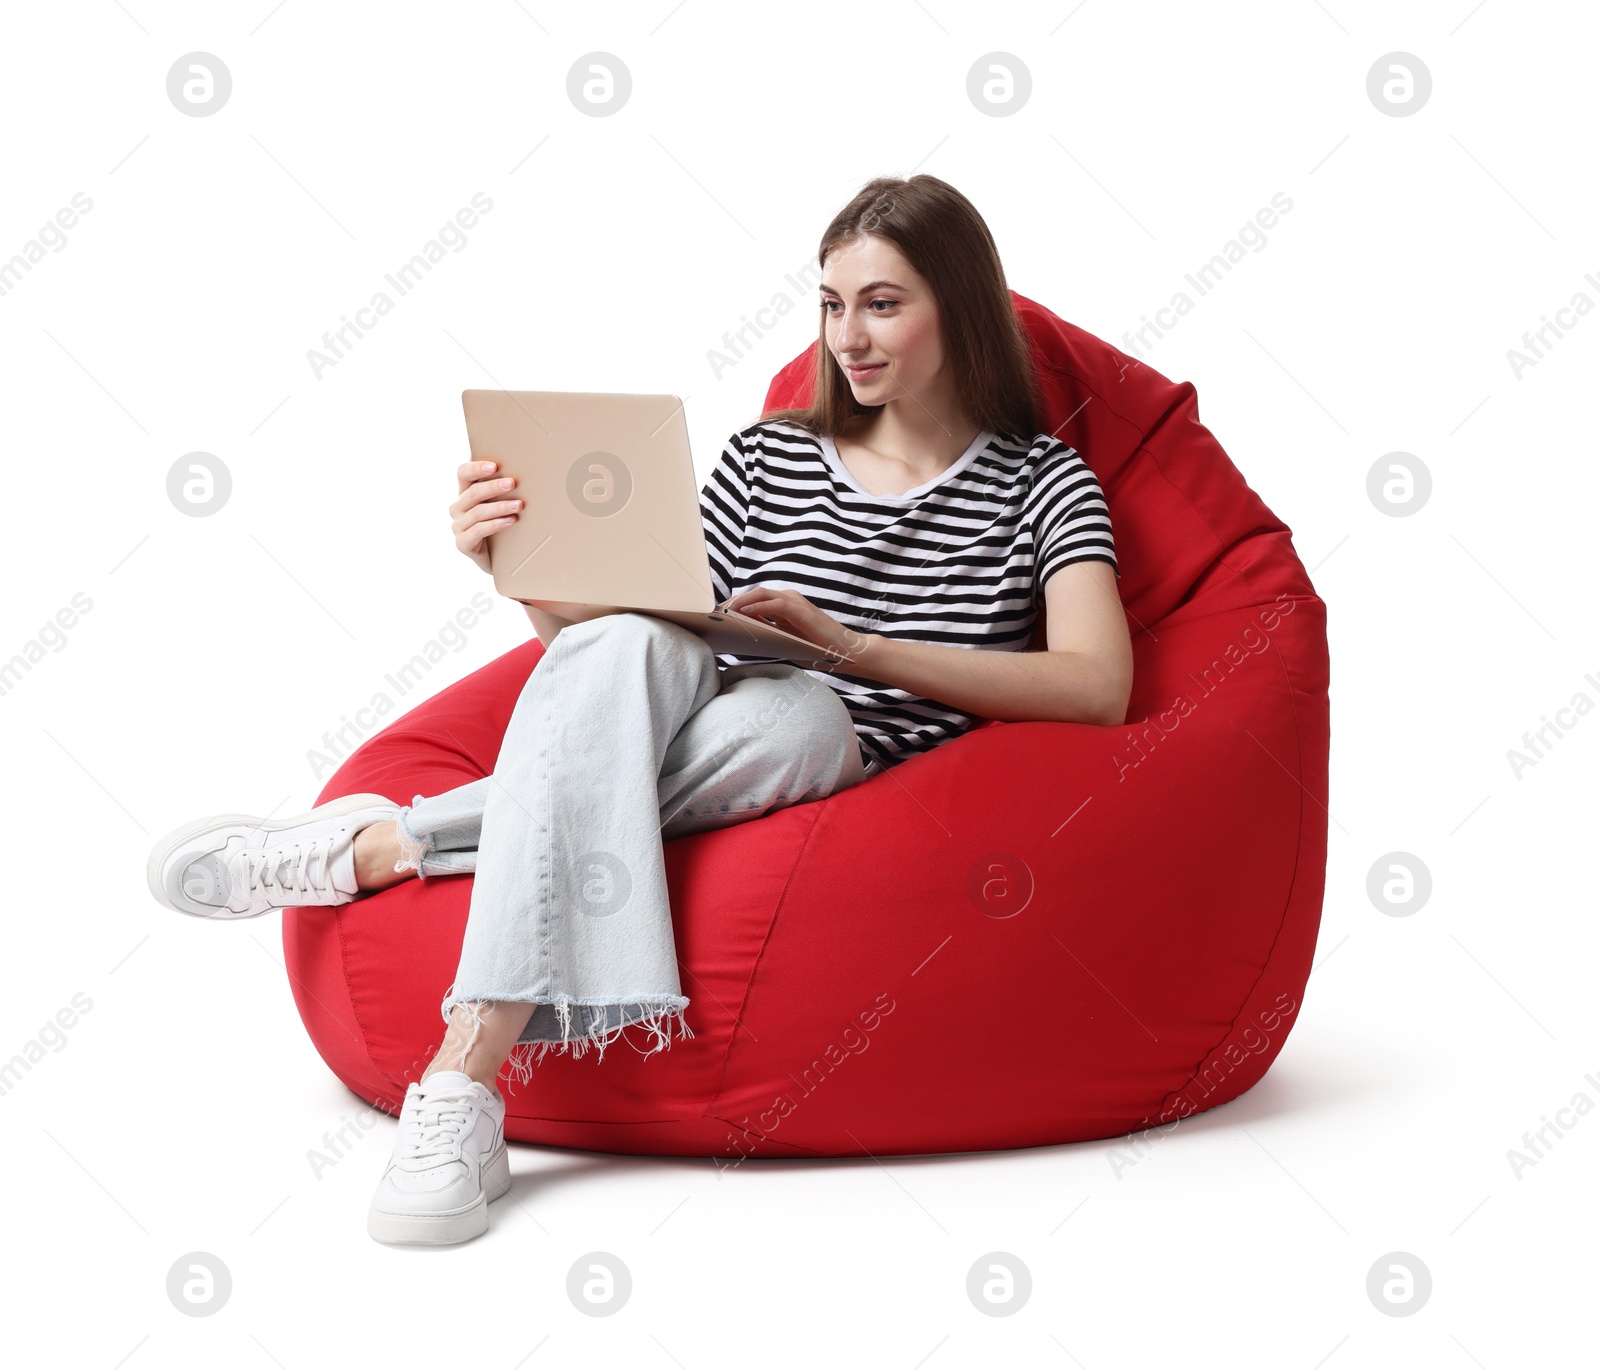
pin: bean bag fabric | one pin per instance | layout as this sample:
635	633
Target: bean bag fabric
1038	932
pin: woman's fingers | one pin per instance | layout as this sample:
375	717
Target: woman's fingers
472	540
474	537
482	490
471	471
499	514
482	509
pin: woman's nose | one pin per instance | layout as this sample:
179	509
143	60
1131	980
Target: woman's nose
851	337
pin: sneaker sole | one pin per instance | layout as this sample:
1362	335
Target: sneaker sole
445	1229
164	848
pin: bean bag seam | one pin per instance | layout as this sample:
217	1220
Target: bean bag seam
1185	396
355	1011
1283	917
297	983
1141	432
756	1132
755	968
1143	448
1173	620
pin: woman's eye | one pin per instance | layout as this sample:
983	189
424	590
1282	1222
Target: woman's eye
829	304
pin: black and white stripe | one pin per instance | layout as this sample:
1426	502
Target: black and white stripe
960	561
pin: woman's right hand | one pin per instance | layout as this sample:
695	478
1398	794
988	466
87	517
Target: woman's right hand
484	507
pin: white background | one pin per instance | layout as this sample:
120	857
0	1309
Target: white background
178	1112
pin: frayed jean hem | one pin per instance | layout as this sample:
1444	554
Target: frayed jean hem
600	1022
417	852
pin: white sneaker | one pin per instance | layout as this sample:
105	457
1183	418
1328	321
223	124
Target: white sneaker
236	866
449	1164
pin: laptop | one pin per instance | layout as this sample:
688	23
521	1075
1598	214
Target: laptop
610	521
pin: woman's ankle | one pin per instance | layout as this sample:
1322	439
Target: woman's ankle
376	850
478	1038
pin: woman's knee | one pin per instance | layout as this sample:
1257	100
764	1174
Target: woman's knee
634	633
821	712
805	723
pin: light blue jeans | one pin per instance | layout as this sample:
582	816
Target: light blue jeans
628	733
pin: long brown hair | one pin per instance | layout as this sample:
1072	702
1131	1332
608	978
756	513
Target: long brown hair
944	237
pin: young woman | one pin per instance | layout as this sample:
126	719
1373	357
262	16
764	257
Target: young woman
912	514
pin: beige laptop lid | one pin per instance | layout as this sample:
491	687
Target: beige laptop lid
611	514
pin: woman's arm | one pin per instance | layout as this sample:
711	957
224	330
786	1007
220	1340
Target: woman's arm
1085	676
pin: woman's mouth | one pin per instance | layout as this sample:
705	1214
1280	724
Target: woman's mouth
861	373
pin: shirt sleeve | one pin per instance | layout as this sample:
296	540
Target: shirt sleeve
1071	521
724	508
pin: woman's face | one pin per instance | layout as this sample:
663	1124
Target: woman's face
881	315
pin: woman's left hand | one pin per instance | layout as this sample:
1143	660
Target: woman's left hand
794	613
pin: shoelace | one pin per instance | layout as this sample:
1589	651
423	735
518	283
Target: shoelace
438	1125
284	873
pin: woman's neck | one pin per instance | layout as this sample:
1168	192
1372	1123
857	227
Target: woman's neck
922	441
887	458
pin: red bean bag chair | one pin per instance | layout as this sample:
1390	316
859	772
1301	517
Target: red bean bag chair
1037	932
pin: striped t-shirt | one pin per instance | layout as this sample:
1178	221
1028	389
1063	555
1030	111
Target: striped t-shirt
960	560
